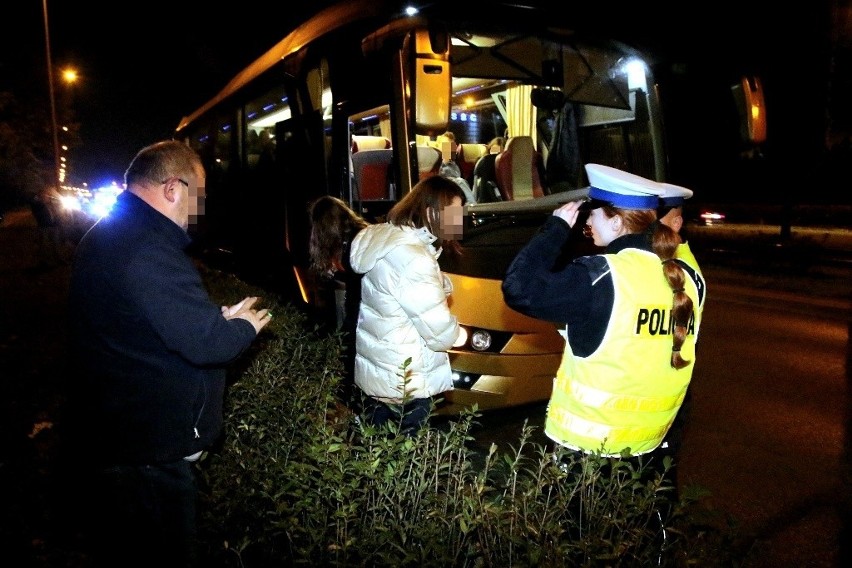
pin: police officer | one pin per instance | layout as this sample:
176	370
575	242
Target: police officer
670	213
629	312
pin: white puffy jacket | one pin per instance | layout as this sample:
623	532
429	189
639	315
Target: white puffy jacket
404	313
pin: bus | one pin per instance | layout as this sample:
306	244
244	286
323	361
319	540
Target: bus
355	102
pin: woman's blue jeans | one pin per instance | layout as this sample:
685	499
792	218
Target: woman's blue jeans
410	417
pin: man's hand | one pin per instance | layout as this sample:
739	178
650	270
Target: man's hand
244	310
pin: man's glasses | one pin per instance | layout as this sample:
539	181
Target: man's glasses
184	182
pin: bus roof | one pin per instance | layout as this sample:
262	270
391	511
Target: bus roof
514	13
325	21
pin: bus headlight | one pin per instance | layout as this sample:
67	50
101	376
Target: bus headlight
480	340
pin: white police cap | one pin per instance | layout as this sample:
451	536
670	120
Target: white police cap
674	195
621	189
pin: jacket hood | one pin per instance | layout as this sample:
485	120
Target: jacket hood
375	242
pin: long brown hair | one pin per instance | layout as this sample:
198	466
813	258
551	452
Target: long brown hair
333	224
423	205
664	241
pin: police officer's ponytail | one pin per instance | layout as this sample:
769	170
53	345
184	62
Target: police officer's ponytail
665	242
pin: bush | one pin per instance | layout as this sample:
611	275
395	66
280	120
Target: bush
300	480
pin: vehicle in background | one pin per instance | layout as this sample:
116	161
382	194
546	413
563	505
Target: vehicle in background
711	218
93	204
355	102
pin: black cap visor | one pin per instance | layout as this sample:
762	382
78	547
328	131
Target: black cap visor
593	204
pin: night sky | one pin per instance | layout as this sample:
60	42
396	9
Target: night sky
142	66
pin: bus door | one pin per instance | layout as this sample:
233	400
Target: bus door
409	106
301	166
364	95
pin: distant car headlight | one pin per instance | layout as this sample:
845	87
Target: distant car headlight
480	340
712	217
70	203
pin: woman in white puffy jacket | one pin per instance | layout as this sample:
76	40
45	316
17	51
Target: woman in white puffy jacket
404	312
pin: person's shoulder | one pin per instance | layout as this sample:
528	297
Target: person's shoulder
402	241
597	265
373	243
449	169
374	233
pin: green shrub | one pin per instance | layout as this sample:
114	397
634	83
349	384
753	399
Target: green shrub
300	480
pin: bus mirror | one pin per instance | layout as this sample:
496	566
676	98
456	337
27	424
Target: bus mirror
547	99
432	82
748	96
439	41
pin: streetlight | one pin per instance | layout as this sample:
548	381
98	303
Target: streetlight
69	76
56	164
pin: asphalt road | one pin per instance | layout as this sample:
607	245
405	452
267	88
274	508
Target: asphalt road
769	421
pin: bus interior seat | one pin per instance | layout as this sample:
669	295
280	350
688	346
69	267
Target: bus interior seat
485	180
466	158
360	143
517	170
372	174
428	161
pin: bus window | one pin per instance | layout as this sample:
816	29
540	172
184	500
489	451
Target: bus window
262	114
222	147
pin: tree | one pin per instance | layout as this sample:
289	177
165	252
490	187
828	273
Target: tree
25	152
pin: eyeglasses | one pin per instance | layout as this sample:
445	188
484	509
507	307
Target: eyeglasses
200	188
184	182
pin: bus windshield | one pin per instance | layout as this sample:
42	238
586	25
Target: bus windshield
527	112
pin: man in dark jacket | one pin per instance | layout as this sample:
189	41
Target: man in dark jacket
152	350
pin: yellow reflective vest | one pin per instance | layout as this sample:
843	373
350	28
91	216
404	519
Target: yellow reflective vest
625	395
684	254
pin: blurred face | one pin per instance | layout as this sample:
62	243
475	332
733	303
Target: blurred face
452	219
197	194
192	199
603	229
